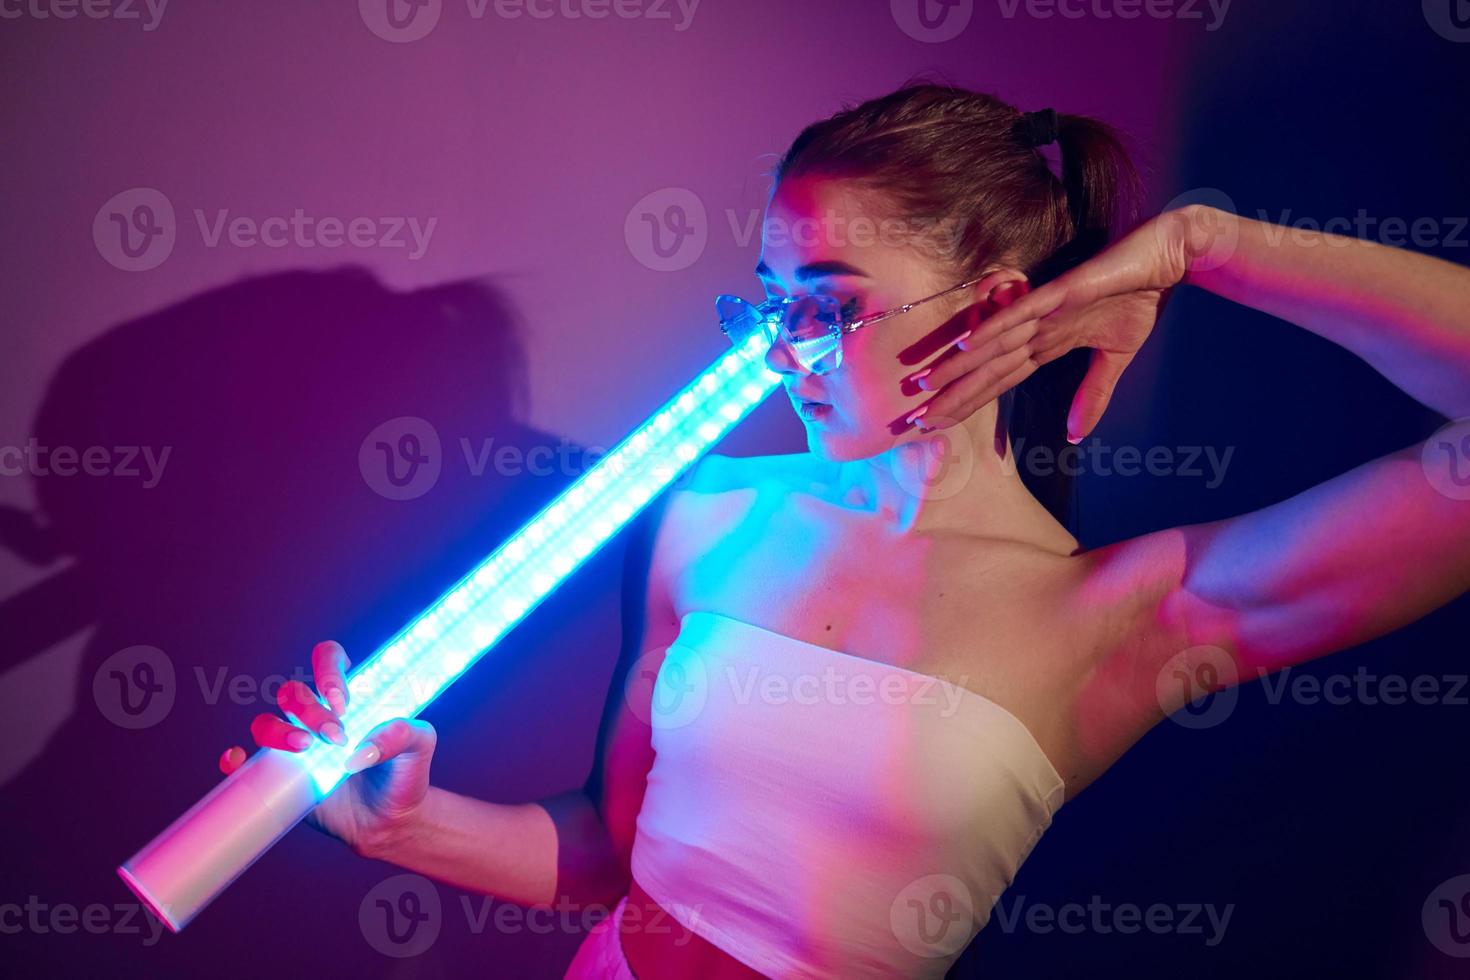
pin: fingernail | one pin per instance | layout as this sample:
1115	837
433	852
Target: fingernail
917	412
337	699
1073	439
362	758
959	341
299	740
333	733
919	374
226	759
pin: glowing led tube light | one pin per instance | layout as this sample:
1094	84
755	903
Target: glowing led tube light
182	869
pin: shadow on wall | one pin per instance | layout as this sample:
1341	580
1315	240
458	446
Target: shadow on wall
284	459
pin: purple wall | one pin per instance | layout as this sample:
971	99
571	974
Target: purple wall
525	151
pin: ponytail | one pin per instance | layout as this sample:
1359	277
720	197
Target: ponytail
1101	188
1102	192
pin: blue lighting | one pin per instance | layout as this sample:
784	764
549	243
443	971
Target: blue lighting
408	672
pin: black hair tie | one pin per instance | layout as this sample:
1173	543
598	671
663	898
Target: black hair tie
1039	128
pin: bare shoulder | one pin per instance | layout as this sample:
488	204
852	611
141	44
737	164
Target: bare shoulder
1131	590
716	475
1098	628
1133	577
718	492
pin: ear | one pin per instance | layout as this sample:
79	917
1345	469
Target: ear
1000	289
1009	291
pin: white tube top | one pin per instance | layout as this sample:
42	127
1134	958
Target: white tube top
816	814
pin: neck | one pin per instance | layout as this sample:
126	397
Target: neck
962	479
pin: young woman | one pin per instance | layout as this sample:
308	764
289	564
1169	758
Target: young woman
857	683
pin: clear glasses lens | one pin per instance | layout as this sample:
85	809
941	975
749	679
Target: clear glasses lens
810	325
740	320
811	318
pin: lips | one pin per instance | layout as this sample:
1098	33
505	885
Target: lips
808	409
800	400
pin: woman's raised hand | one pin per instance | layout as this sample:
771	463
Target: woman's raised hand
1109	304
390	765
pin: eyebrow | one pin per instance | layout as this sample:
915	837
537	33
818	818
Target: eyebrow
815	270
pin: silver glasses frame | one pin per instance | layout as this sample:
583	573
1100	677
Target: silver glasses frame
872	318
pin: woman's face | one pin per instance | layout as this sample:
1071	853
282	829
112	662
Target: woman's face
820	236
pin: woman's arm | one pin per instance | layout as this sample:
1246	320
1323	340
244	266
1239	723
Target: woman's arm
573	847
1406	314
1352	558
509	851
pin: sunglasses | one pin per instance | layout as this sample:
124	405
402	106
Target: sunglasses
812	326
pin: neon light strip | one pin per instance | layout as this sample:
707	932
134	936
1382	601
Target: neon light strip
408	672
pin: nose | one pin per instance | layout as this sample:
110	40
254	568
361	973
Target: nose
781	359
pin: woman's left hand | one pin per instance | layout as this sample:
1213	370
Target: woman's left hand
1108	304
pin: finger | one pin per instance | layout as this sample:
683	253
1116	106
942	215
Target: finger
966	388
1094	393
303	707
329	665
232	758
960	363
1052	341
982	398
401	736
275	732
1035	305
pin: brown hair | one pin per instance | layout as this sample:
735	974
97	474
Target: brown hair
940	152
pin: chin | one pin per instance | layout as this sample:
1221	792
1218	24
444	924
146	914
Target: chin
843	447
